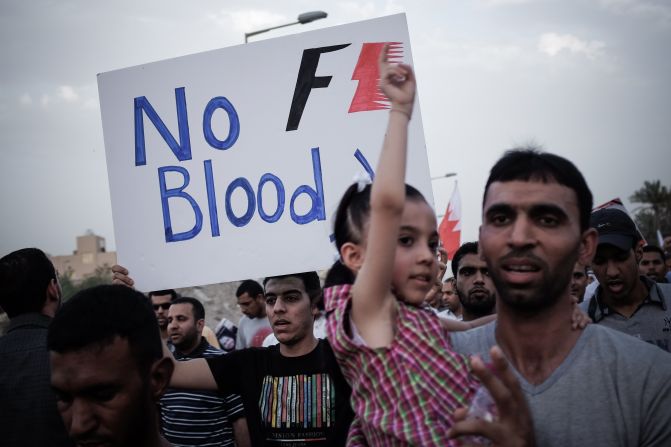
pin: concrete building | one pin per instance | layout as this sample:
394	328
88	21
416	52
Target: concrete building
89	255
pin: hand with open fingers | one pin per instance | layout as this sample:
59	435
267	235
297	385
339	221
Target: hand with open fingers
120	276
397	82
579	319
513	425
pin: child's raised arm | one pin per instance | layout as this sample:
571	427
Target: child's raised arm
373	304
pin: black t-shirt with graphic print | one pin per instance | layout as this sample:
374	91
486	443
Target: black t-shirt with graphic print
289	401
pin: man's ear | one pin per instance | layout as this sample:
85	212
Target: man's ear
638	250
52	298
351	255
200	324
159	377
587	248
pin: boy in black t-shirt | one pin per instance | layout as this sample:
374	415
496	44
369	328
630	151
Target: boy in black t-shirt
294	394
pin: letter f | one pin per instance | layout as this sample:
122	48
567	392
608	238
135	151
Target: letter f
307	80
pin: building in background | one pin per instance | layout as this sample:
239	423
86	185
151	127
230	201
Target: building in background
89	256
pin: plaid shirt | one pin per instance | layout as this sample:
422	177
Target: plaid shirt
404	394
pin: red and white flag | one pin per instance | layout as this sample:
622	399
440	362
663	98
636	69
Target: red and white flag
449	229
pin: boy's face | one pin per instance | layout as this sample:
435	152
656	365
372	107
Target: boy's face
616	270
289	310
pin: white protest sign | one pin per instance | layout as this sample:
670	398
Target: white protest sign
229	164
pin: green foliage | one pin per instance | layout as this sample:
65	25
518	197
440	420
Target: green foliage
655	212
102	275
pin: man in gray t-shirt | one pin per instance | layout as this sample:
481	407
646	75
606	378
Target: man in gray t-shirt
591	387
610	390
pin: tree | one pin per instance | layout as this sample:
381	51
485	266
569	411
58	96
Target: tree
101	275
655	212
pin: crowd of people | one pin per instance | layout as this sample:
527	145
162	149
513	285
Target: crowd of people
386	350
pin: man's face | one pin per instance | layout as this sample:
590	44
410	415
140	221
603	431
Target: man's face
578	281
652	266
616	270
183	329
161	304
251	306
531	239
474	286
289	310
102	396
450	297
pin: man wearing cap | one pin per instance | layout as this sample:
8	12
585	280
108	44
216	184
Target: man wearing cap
625	300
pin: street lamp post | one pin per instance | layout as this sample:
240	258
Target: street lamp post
302	19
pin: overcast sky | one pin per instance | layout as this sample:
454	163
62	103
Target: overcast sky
587	79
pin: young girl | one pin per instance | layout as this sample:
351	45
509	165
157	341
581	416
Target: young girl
406	380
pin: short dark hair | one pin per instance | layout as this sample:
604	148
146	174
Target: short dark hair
98	315
310	281
250	287
354	210
452	280
171	292
533	165
197	306
655	249
24	277
467	248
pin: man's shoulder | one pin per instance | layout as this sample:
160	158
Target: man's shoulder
626	359
665	289
474	341
211	351
619	344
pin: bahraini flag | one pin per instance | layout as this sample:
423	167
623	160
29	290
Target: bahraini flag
449	229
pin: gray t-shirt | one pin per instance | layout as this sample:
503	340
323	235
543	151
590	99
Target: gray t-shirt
651	322
611	390
252	332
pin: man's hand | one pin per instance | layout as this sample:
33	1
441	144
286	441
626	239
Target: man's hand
120	276
579	319
513	427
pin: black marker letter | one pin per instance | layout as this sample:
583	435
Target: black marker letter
307	81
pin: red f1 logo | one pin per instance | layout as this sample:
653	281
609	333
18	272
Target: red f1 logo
367	96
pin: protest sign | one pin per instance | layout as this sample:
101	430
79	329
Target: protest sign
229	164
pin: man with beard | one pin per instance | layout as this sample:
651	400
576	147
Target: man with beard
160	301
107	368
454	309
626	300
591	386
653	264
191	417
475	288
